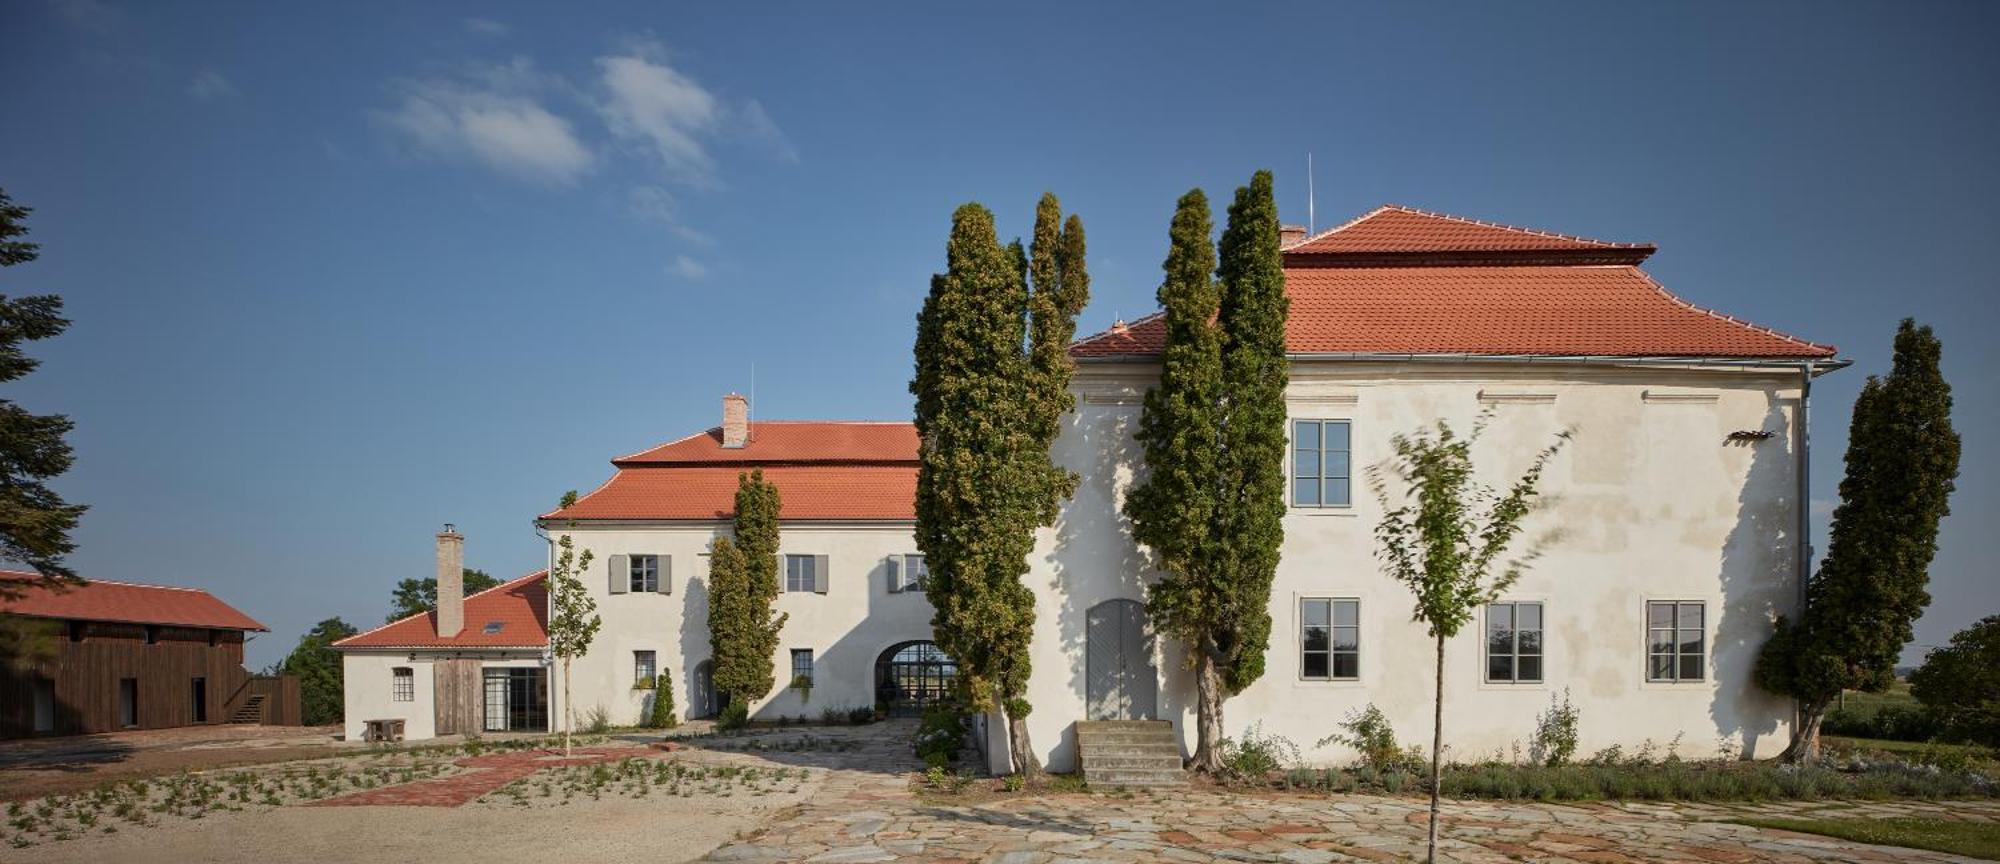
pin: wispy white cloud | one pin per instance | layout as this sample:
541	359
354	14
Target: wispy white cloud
687	268
664	111
494	115
209	84
486	27
655	204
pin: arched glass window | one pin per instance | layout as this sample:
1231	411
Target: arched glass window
911	676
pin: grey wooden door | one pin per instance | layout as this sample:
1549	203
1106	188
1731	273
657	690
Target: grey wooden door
1119	680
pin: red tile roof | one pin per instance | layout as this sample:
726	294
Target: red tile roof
1394	229
520	608
823	470
1410	282
794	442
125	602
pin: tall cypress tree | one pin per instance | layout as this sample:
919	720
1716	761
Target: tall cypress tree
1212	506
742	586
991	386
1863	604
34	521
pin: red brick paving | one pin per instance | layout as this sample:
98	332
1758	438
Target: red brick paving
491	772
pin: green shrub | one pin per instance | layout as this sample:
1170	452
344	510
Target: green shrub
940	736
662	716
596	721
735	715
1555	738
861	715
1256	756
1888	722
1368	731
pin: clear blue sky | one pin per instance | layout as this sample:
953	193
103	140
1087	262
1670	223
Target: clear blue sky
344	272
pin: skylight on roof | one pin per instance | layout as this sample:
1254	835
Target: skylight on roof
493	627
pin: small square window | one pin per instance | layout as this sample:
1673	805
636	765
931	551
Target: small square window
802	667
914	572
403	684
801	574
1514	643
1676	641
1320	459
645	574
1329	639
644	667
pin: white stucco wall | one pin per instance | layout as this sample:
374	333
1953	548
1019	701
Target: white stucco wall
367	682
1652	503
846	628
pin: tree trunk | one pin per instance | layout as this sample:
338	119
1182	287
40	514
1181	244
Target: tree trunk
1805	737
1018	748
569	710
1437	752
1208	716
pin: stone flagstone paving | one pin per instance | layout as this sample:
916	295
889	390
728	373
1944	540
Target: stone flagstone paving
867	811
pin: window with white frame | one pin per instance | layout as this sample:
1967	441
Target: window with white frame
643	668
403	684
1329	639
1320	463
913	573
802	667
645	574
801	573
1514	643
1676	641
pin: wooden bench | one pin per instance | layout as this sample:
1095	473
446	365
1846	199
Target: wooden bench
382	730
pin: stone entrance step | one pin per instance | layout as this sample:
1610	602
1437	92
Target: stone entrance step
1129	753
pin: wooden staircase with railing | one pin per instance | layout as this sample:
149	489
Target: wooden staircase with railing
251	711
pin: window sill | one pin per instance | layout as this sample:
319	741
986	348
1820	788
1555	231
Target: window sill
1321	511
1328	684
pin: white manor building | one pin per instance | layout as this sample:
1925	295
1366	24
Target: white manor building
1678	503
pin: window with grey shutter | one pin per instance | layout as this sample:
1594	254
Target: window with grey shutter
666	573
799	574
819	573
895	570
621	573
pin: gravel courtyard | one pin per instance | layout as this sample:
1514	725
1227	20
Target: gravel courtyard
846	794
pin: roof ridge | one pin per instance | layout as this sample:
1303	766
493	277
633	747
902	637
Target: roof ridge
1128	324
1348	224
1539	232
667	444
1771	331
337	642
87	582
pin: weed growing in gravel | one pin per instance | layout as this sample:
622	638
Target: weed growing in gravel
640	777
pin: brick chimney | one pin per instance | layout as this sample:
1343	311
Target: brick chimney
1290	235
735	421
451	581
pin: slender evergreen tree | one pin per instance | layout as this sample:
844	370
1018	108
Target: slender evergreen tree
1214	430
35	522
742	587
1862	605
991	386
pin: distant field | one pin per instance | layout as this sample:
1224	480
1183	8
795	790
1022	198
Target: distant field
1866	704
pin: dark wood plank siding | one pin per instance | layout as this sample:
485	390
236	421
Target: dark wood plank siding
456	686
163	662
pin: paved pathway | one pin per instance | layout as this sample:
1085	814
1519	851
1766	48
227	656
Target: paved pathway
489	772
867	811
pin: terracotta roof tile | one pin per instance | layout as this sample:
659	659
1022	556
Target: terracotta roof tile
127	602
520	608
1433	299
816	441
823	470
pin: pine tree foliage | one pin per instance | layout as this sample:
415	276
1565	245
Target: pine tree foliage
1863	603
35	522
417	596
662	715
991	386
742	586
1211	507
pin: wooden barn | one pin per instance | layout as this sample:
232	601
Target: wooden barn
107	656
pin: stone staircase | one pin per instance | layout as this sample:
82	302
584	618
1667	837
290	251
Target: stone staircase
1129	753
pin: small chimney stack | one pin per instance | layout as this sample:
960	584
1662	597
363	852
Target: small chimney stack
1291	235
450	581
735	421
